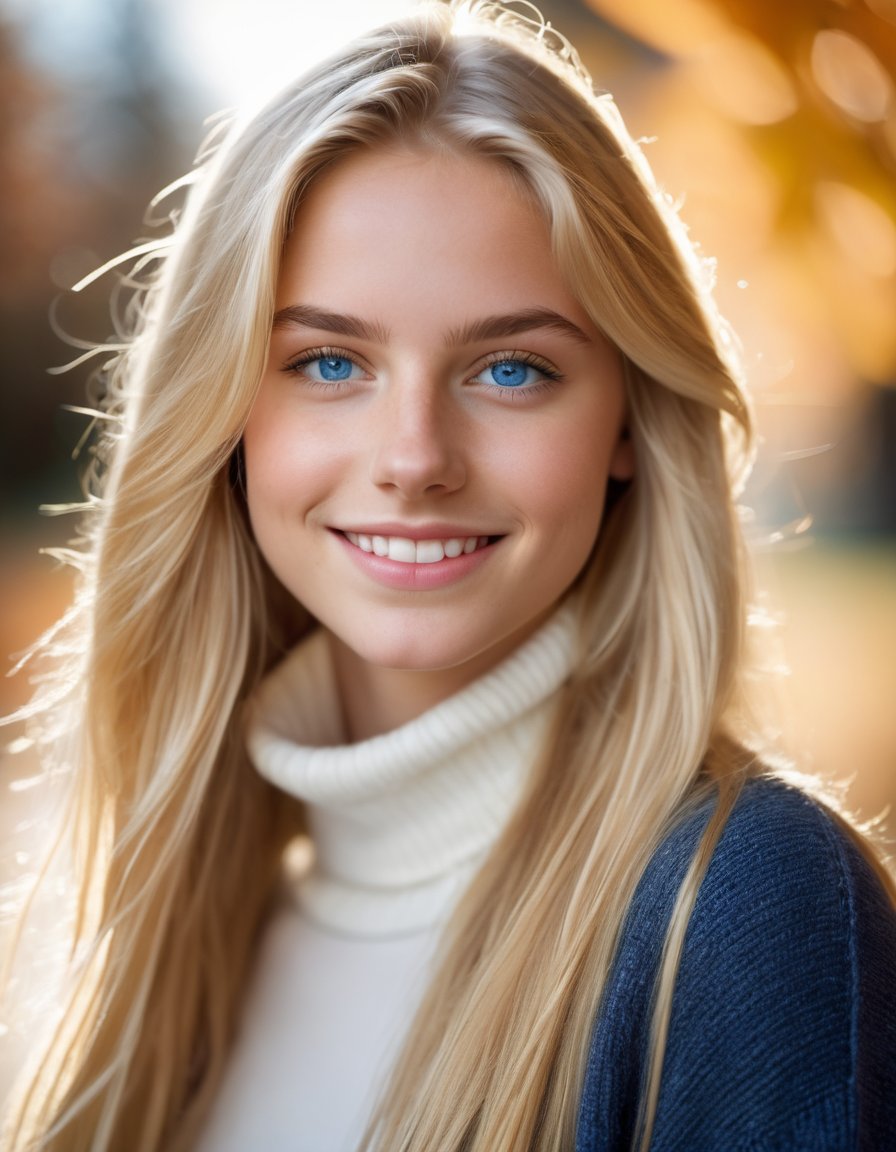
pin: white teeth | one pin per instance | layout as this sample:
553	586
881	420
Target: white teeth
402	549
407	551
430	551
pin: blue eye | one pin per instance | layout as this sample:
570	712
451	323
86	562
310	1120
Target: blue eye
519	373
330	368
513	373
326	366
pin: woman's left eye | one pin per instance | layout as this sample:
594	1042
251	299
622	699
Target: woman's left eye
511	373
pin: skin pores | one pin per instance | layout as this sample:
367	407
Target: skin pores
432	388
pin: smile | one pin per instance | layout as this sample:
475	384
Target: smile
407	551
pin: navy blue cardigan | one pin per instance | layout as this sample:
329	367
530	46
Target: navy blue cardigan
783	1029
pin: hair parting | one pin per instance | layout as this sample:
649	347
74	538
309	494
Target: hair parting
177	618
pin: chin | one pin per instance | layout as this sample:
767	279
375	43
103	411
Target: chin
419	653
471	642
415	641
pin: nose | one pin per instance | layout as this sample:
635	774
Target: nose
417	442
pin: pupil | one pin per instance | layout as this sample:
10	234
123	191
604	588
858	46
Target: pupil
510	373
335	368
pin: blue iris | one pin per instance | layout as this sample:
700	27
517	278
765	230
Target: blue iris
335	367
511	373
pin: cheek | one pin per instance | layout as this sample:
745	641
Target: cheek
286	462
560	477
273	470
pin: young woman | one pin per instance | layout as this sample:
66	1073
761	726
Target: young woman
417	542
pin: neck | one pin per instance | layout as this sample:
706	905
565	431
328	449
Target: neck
401	821
376	699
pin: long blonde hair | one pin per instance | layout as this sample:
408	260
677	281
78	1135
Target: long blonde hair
176	619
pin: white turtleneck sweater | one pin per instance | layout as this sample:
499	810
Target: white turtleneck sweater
399	824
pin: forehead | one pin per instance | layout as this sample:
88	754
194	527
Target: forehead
403	169
412	227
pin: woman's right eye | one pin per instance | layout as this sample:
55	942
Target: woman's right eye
327	368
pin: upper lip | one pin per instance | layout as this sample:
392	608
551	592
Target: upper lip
415	531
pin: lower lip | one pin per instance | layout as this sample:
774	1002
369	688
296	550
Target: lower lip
416	577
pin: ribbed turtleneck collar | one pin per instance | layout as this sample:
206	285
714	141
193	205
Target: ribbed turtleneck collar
401	821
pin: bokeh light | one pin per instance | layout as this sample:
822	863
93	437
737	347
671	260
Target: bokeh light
774	126
850	75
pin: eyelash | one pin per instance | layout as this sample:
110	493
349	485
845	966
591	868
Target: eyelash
550	374
326	352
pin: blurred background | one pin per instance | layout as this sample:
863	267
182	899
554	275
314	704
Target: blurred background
773	124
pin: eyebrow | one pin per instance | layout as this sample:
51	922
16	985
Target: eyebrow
511	323
488	328
308	316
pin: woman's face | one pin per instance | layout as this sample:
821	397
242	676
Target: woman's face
428	455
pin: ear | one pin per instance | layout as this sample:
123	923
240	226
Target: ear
622	462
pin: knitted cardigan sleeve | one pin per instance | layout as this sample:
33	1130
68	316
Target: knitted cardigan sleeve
783	1029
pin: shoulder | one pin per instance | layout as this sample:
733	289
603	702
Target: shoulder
783	1029
787	889
786	872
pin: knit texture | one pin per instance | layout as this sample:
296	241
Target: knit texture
783	1030
400	822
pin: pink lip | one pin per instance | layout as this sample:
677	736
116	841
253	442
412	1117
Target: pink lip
415	577
429	531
